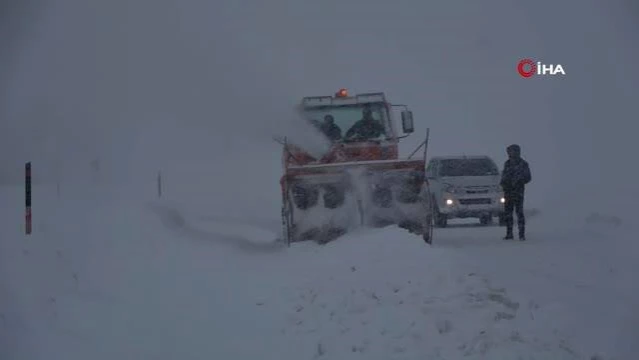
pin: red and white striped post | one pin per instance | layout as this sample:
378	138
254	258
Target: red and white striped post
27	197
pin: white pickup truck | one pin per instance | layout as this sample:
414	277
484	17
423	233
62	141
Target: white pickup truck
465	187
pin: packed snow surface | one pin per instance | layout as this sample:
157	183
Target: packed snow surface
110	277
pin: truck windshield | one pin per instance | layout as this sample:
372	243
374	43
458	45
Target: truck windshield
345	116
468	167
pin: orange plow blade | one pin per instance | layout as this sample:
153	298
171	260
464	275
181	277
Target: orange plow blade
322	202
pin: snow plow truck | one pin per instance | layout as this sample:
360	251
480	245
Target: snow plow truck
360	181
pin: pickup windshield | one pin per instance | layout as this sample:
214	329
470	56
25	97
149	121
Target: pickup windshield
468	167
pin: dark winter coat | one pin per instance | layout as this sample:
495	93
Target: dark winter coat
331	131
515	176
365	128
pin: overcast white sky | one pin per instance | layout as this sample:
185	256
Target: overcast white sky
170	82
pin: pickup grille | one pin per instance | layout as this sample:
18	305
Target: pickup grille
475	201
476	191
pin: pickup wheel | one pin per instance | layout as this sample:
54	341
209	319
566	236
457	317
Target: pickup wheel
486	219
440	220
502	220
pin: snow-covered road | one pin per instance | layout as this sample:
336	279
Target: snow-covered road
140	280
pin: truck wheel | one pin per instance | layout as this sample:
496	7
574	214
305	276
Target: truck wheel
426	237
304	197
333	197
427	231
383	197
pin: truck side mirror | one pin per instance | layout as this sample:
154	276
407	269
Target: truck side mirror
407	122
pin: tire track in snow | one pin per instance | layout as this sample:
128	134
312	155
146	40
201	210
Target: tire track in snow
174	221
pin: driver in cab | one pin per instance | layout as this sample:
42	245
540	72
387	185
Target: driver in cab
365	128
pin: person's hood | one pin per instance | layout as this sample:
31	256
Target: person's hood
514	151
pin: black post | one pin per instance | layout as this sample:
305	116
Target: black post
159	184
27	197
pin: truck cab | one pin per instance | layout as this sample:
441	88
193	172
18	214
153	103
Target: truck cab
465	187
379	141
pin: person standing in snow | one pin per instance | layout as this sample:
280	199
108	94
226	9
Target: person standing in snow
514	178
